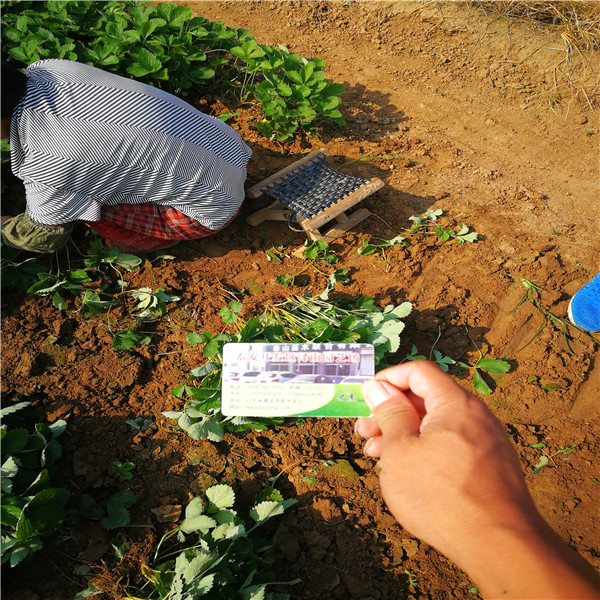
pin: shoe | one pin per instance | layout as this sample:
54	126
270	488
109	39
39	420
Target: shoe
584	308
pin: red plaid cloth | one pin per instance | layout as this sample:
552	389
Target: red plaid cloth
148	226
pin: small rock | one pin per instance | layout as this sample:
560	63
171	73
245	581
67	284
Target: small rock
411	547
168	513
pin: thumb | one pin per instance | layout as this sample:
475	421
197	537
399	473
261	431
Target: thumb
394	412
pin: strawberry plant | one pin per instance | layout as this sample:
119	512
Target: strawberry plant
122	469
295	320
56	285
338	276
116	513
165	46
31	509
215	552
151	303
21	274
427	220
492	366
443	362
112	256
229	313
128	339
318	250
372	245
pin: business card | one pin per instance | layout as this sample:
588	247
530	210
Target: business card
296	380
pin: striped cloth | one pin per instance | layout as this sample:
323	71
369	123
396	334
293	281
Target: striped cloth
82	138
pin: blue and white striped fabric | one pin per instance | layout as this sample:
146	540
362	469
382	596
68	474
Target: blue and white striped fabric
82	138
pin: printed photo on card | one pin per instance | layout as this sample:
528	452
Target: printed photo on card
302	380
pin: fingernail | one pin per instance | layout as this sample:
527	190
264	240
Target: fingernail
366	447
375	393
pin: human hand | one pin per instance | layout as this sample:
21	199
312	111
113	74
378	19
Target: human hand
450	476
448	469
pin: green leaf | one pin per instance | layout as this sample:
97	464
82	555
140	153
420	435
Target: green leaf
14	440
493	365
227	531
333	89
124	498
220	497
199	74
198	523
541	464
147	28
9	410
552	386
194	508
117	505
480	385
255	592
200	587
128	261
265	510
250	330
90	509
24	549
306	72
118	517
128	339
146	62
43	514
204	370
173	13
401	311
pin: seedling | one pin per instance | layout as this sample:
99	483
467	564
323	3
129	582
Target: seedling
92	303
427	220
444	362
215	552
128	339
123	469
318	250
284	280
229	313
339	275
56	286
424	219
295	320
31	509
112	256
23	273
370	246
533	294
493	366
276	254
152	303
140	424
117	509
546	458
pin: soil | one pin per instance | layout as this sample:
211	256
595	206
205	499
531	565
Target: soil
477	115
